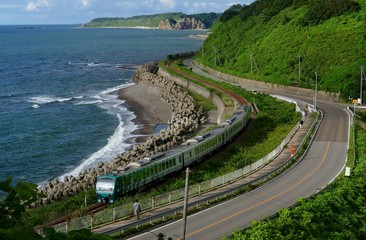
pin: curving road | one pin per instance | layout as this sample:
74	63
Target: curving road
321	164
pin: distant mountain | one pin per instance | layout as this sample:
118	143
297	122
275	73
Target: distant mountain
159	21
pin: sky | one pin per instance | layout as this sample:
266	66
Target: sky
27	12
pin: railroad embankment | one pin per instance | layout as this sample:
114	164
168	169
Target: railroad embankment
187	117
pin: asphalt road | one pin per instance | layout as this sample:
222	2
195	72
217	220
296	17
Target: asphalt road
322	163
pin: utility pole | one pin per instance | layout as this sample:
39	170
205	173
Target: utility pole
252	60
362	78
316	88
299	68
215	56
251	63
185	206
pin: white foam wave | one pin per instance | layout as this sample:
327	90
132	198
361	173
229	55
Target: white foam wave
92	64
107	99
114	89
89	102
35	106
51	99
114	146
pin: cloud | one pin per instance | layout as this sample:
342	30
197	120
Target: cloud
37	5
85	3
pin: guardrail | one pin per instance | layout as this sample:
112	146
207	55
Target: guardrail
111	215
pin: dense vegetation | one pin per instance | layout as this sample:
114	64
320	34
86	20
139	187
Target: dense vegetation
338	213
13	224
287	41
151	20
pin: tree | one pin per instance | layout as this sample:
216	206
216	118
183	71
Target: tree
15	202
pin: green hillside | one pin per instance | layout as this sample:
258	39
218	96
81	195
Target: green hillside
150	20
271	40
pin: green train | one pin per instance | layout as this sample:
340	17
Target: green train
136	174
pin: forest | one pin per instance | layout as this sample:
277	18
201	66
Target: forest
292	42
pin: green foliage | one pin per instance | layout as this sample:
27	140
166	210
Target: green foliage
16	202
230	13
273	33
337	213
14	205
74	205
322	10
143	20
204	102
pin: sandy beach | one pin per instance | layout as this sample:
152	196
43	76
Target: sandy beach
143	100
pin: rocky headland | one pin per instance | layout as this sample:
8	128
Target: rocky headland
184	23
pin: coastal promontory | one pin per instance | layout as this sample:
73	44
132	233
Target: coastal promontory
166	21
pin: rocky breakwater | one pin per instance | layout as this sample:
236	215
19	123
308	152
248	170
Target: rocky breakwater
187	117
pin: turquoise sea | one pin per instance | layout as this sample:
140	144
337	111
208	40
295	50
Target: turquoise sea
59	111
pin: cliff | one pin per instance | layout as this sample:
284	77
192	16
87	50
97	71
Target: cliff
184	23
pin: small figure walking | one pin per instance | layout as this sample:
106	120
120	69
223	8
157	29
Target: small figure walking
137	209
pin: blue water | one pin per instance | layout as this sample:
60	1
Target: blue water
58	108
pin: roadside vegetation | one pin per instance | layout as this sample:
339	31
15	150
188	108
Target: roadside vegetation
286	42
13	224
339	212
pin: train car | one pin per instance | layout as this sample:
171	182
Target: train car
139	173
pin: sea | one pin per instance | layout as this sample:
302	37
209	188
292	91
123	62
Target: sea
59	112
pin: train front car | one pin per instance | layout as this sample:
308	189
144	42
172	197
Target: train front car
106	188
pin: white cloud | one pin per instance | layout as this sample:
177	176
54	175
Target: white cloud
37	5
85	3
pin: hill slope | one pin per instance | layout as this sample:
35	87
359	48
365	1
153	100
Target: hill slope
151	20
286	42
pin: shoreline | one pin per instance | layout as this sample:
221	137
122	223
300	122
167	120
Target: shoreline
150	111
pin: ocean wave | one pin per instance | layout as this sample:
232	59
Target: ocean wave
91	64
114	146
6	96
35	106
51	99
91	102
114	89
117	141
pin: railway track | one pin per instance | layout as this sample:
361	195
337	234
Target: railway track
234	95
90	210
